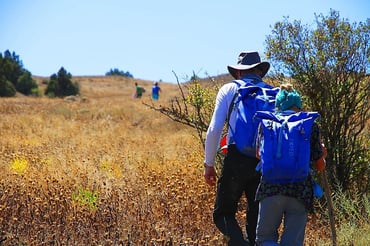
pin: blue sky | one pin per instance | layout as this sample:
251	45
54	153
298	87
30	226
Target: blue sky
149	39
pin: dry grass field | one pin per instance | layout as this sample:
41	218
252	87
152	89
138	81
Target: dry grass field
104	169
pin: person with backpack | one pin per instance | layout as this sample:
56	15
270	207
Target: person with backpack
238	175
288	142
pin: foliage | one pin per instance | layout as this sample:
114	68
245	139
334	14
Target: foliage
11	70
60	85
85	197
7	89
117	72
353	213
328	65
26	84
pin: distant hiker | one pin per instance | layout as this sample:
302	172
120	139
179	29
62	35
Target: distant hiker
155	91
238	174
139	90
288	142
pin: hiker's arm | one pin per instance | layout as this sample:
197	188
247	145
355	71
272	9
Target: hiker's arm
216	125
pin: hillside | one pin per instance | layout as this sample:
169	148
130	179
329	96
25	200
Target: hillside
105	170
99	171
111	86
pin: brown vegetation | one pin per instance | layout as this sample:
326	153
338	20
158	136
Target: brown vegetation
104	169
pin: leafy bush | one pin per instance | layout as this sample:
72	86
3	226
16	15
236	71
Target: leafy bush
7	89
26	84
328	65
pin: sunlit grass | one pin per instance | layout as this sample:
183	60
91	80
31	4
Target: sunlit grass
19	165
111	168
109	171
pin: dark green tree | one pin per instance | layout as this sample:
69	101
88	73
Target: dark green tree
7	89
11	68
26	84
329	65
117	72
61	85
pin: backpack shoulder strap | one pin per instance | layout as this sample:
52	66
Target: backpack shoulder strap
241	83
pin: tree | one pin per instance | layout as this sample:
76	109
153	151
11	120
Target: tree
117	72
26	84
6	87
11	68
60	85
329	65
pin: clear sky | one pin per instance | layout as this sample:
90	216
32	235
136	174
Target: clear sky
150	39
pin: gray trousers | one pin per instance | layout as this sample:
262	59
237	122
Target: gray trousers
272	211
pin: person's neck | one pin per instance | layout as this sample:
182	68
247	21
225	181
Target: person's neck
251	76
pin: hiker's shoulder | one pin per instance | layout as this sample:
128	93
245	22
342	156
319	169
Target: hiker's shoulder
229	88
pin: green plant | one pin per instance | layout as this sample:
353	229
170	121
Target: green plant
86	197
329	65
7	89
353	212
26	84
60	85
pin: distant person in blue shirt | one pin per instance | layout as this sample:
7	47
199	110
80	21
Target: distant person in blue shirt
155	91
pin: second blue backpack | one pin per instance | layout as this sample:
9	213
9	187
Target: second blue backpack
285	146
250	99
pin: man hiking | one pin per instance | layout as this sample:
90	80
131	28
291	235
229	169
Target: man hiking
238	174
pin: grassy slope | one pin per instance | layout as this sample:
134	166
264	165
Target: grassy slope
145	170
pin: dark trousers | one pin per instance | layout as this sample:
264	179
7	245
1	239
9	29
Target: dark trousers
238	176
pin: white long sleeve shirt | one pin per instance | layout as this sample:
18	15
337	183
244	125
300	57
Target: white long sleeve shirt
224	99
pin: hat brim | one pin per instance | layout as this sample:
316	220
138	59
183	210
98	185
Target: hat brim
263	66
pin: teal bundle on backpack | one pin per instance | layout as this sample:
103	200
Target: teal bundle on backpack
250	99
285	145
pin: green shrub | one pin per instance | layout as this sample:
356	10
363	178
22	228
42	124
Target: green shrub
7	89
61	85
26	84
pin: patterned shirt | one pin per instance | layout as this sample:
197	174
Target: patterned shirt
303	190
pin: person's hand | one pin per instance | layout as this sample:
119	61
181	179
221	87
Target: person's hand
210	175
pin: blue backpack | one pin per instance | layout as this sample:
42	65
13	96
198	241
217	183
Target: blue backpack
250	99
285	145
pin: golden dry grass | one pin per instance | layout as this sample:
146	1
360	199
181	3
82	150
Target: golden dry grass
105	170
